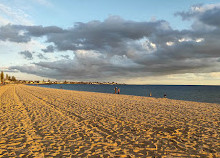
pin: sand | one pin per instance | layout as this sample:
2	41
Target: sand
42	122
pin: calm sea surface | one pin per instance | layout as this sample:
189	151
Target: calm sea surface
209	94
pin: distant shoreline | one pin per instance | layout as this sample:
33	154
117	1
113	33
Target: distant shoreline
208	94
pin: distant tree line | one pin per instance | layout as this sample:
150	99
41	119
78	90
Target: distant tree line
7	77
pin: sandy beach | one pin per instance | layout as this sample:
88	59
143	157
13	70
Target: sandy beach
42	122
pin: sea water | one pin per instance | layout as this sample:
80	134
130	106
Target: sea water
209	94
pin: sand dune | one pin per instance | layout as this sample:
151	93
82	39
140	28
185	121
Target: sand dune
41	122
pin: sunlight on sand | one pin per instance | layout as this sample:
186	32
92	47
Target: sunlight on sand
41	122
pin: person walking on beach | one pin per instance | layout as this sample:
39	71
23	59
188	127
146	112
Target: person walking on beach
115	90
118	90
165	95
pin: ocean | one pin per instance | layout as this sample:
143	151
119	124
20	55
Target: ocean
209	94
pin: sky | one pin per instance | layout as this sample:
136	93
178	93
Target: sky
125	41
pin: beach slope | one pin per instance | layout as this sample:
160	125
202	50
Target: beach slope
42	122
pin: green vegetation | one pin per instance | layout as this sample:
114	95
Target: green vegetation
2	77
7	78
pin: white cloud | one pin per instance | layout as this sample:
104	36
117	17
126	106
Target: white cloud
187	40
169	43
13	15
148	45
202	9
3	21
199	40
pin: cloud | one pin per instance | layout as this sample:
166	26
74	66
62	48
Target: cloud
5	70
13	33
38	31
23	34
65	56
117	48
4	21
27	55
107	36
49	49
41	56
13	15
210	17
205	15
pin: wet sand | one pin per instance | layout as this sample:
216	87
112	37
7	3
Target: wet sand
42	122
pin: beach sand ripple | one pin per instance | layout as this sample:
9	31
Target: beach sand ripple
42	122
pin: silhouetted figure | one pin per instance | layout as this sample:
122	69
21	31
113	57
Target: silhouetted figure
165	95
115	90
118	90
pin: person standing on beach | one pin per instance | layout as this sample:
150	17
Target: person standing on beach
165	95
118	90
115	90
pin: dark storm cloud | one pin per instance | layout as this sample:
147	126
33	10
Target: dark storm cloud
38	31
204	14
211	17
27	55
23	34
105	36
117	47
13	33
68	69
